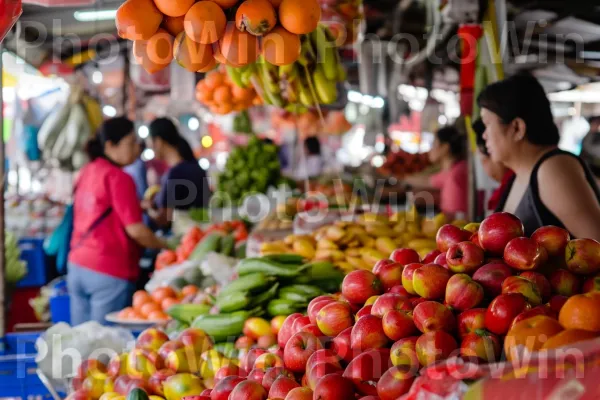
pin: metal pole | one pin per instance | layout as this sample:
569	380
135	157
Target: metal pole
2	187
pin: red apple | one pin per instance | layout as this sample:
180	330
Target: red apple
399	289
449	235
502	310
281	387
381	263
248	390
556	302
285	333
118	363
565	283
299	323
313	329
433	316
354	307
390	275
475	239
481	344
272	374
368	333
463	293
334	318
434	346
266	341
431	256
333	387
315	306
151	339
407	277
398	325
518	284
441	260
524	254
553	239
395	382
122	384
464	257
390	301
583	256
249	359
268	360
319	370
223	389
539	310
156	380
491	276
497	230
470	321
405	256
415	301
366	310
359	285
366	369
298	349
229	370
341	345
257	375
244	343
205	392
404	352
301	393
430	281
323	355
542	283
592	284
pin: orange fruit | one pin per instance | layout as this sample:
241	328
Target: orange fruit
210	66
140	298
148	308
238	48
222	94
124	313
138	19
205	22
173	8
219	57
190	289
225	4
300	17
531	333
135	315
568	337
242	94
281	47
161	293
275	3
256	16
173	25
168	302
214	80
158	316
191	55
224	108
156	53
581	312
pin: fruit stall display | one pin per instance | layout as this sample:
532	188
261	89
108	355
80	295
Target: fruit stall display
486	295
401	163
222	96
343	17
310	123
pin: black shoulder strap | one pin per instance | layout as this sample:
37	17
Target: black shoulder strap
94	224
505	193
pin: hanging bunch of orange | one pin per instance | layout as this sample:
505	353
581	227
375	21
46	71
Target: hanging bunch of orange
199	35
221	96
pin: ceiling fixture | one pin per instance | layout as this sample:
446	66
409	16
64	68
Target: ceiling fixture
90	16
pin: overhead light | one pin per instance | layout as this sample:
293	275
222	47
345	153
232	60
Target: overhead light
97	77
193	123
592	55
377	102
147	155
90	16
143	131
207	141
442	120
354	96
204	163
109	111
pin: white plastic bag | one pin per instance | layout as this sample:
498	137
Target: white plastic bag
166	275
220	267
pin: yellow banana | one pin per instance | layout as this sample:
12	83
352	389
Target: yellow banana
472	227
371	256
418	244
347	238
326	53
359	263
345	266
326	90
330	254
290	239
354	243
385	245
304	248
379	231
326	244
354	252
335	233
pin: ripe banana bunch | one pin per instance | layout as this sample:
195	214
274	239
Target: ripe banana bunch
361	243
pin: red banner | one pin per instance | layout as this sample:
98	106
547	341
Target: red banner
60	3
10	11
469	34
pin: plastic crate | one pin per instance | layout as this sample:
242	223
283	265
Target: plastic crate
32	252
60	309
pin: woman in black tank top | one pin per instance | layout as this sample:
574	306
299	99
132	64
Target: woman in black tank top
551	186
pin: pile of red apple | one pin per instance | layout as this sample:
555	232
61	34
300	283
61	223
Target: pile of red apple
370	341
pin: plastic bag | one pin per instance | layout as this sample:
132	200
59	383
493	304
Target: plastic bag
220	267
165	276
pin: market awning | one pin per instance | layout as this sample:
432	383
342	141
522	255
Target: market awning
61	3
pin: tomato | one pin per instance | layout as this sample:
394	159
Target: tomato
241	233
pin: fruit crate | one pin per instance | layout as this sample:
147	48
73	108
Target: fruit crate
32	252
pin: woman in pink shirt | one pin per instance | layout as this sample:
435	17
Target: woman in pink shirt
108	232
449	152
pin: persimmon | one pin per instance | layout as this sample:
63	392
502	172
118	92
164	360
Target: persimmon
531	333
158	316
256	16
138	19
191	55
222	94
125	313
281	47
156	53
148	308
581	312
275	3
238	48
242	94
174	8
214	80
168	302
225	4
205	22
173	25
208	67
161	293
568	337
140	298
300	17
219	57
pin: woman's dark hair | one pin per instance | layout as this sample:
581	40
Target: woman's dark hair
165	129
479	127
456	140
112	130
313	146
522	96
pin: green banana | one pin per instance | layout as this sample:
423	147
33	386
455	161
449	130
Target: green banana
304	95
271	88
286	258
287	294
265	296
326	52
248	283
235	75
269	267
283	307
186	313
222	327
309	290
319	271
227	349
234	301
325	88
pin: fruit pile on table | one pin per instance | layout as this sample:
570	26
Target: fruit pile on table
484	295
